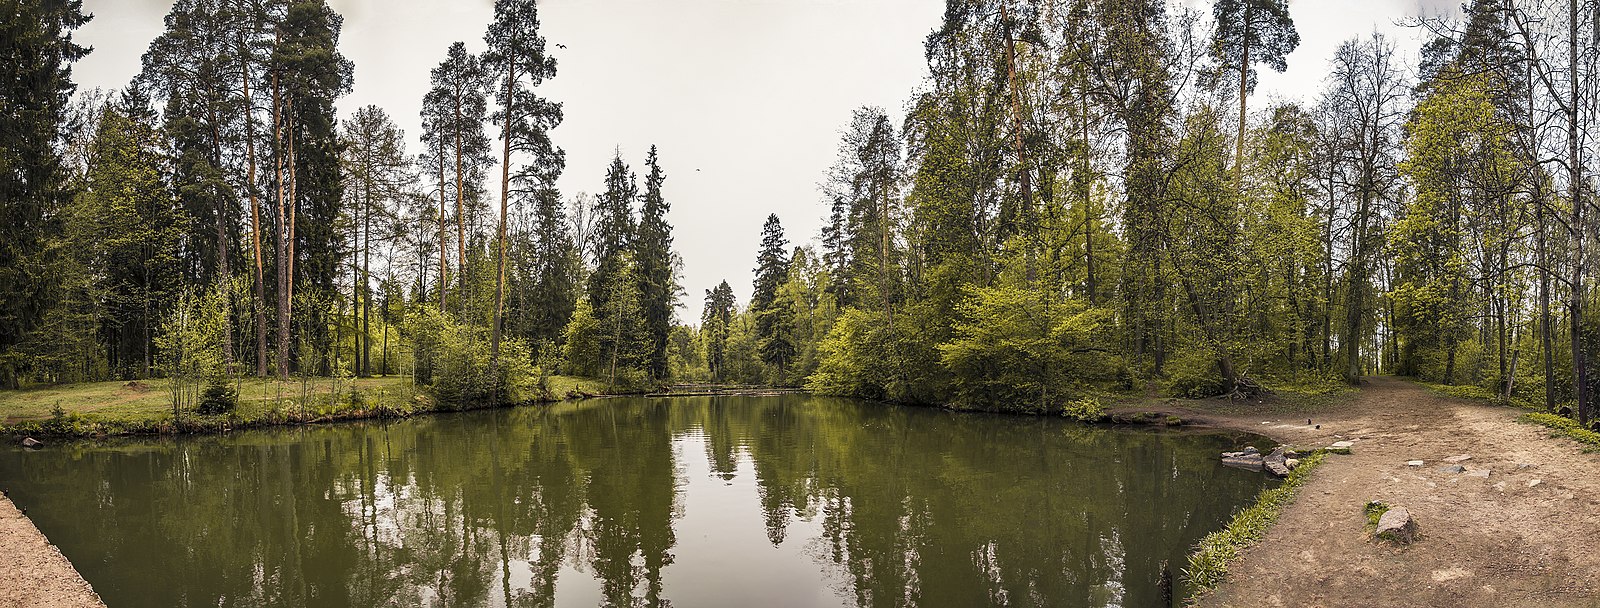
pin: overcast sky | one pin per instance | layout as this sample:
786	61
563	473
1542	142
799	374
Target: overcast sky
746	98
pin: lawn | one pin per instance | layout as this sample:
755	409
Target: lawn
146	405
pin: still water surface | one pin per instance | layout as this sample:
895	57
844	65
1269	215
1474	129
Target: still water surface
717	501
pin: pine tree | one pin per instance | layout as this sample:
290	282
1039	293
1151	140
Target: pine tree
1250	32
459	100
518	64
658	292
376	171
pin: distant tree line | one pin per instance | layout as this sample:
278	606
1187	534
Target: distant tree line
1081	199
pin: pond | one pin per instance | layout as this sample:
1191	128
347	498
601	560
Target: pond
691	501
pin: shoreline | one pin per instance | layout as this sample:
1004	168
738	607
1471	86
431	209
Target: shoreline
33	572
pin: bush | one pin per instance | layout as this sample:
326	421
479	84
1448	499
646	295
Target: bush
1087	409
459	363
1195	376
218	398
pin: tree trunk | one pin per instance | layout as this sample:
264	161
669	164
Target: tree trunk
1575	191
260	308
1244	94
283	269
505	199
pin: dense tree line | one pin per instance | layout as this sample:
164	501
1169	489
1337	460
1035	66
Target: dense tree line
1069	205
218	210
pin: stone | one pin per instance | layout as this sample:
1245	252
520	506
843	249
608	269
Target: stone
1397	525
1291	463
1275	462
1534	483
1247	461
1251	450
1232	454
1457	459
1452	468
29	442
1501	486
1342	444
1414	463
1484	473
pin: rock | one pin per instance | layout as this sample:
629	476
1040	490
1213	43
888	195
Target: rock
1248	461
1342	444
1232	454
1501	486
1452	468
1291	463
1396	525
1457	459
1414	463
1250	450
1484	473
29	442
1534	482
1275	462
1524	465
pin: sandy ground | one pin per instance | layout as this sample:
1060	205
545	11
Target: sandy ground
32	572
1528	534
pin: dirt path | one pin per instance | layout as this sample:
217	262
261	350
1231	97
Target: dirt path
32	572
1523	536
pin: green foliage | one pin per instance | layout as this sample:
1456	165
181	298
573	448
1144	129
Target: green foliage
1566	426
1374	511
461	371
1087	409
581	351
1208	564
218	398
1016	349
190	344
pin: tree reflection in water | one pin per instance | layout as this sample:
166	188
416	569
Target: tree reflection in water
774	501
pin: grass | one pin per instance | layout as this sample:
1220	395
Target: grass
1565	427
1471	392
145	406
1208	565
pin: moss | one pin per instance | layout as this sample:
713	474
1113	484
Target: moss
1208	564
1375	510
1174	421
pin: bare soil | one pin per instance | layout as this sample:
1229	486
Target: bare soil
1526	535
32	572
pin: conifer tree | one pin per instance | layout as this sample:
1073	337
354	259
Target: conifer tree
1250	32
658	292
517	64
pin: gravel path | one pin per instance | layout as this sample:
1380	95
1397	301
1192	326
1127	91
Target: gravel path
32	572
1524	535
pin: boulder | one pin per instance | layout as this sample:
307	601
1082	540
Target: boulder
29	442
1275	462
1452	468
1457	459
1397	525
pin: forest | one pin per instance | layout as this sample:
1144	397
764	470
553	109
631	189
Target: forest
1082	197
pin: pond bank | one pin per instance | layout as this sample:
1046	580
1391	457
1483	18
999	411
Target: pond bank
1514	528
33	572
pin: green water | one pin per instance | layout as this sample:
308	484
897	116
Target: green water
725	501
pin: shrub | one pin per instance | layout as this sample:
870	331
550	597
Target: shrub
1087	409
459	364
218	398
1194	376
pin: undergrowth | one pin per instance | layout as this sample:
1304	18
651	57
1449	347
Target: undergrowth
1565	427
1208	565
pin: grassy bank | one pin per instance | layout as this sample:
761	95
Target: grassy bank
145	406
1208	565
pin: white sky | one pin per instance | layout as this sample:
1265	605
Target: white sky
746	98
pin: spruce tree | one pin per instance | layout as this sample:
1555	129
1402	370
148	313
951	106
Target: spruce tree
653	252
35	74
773	321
